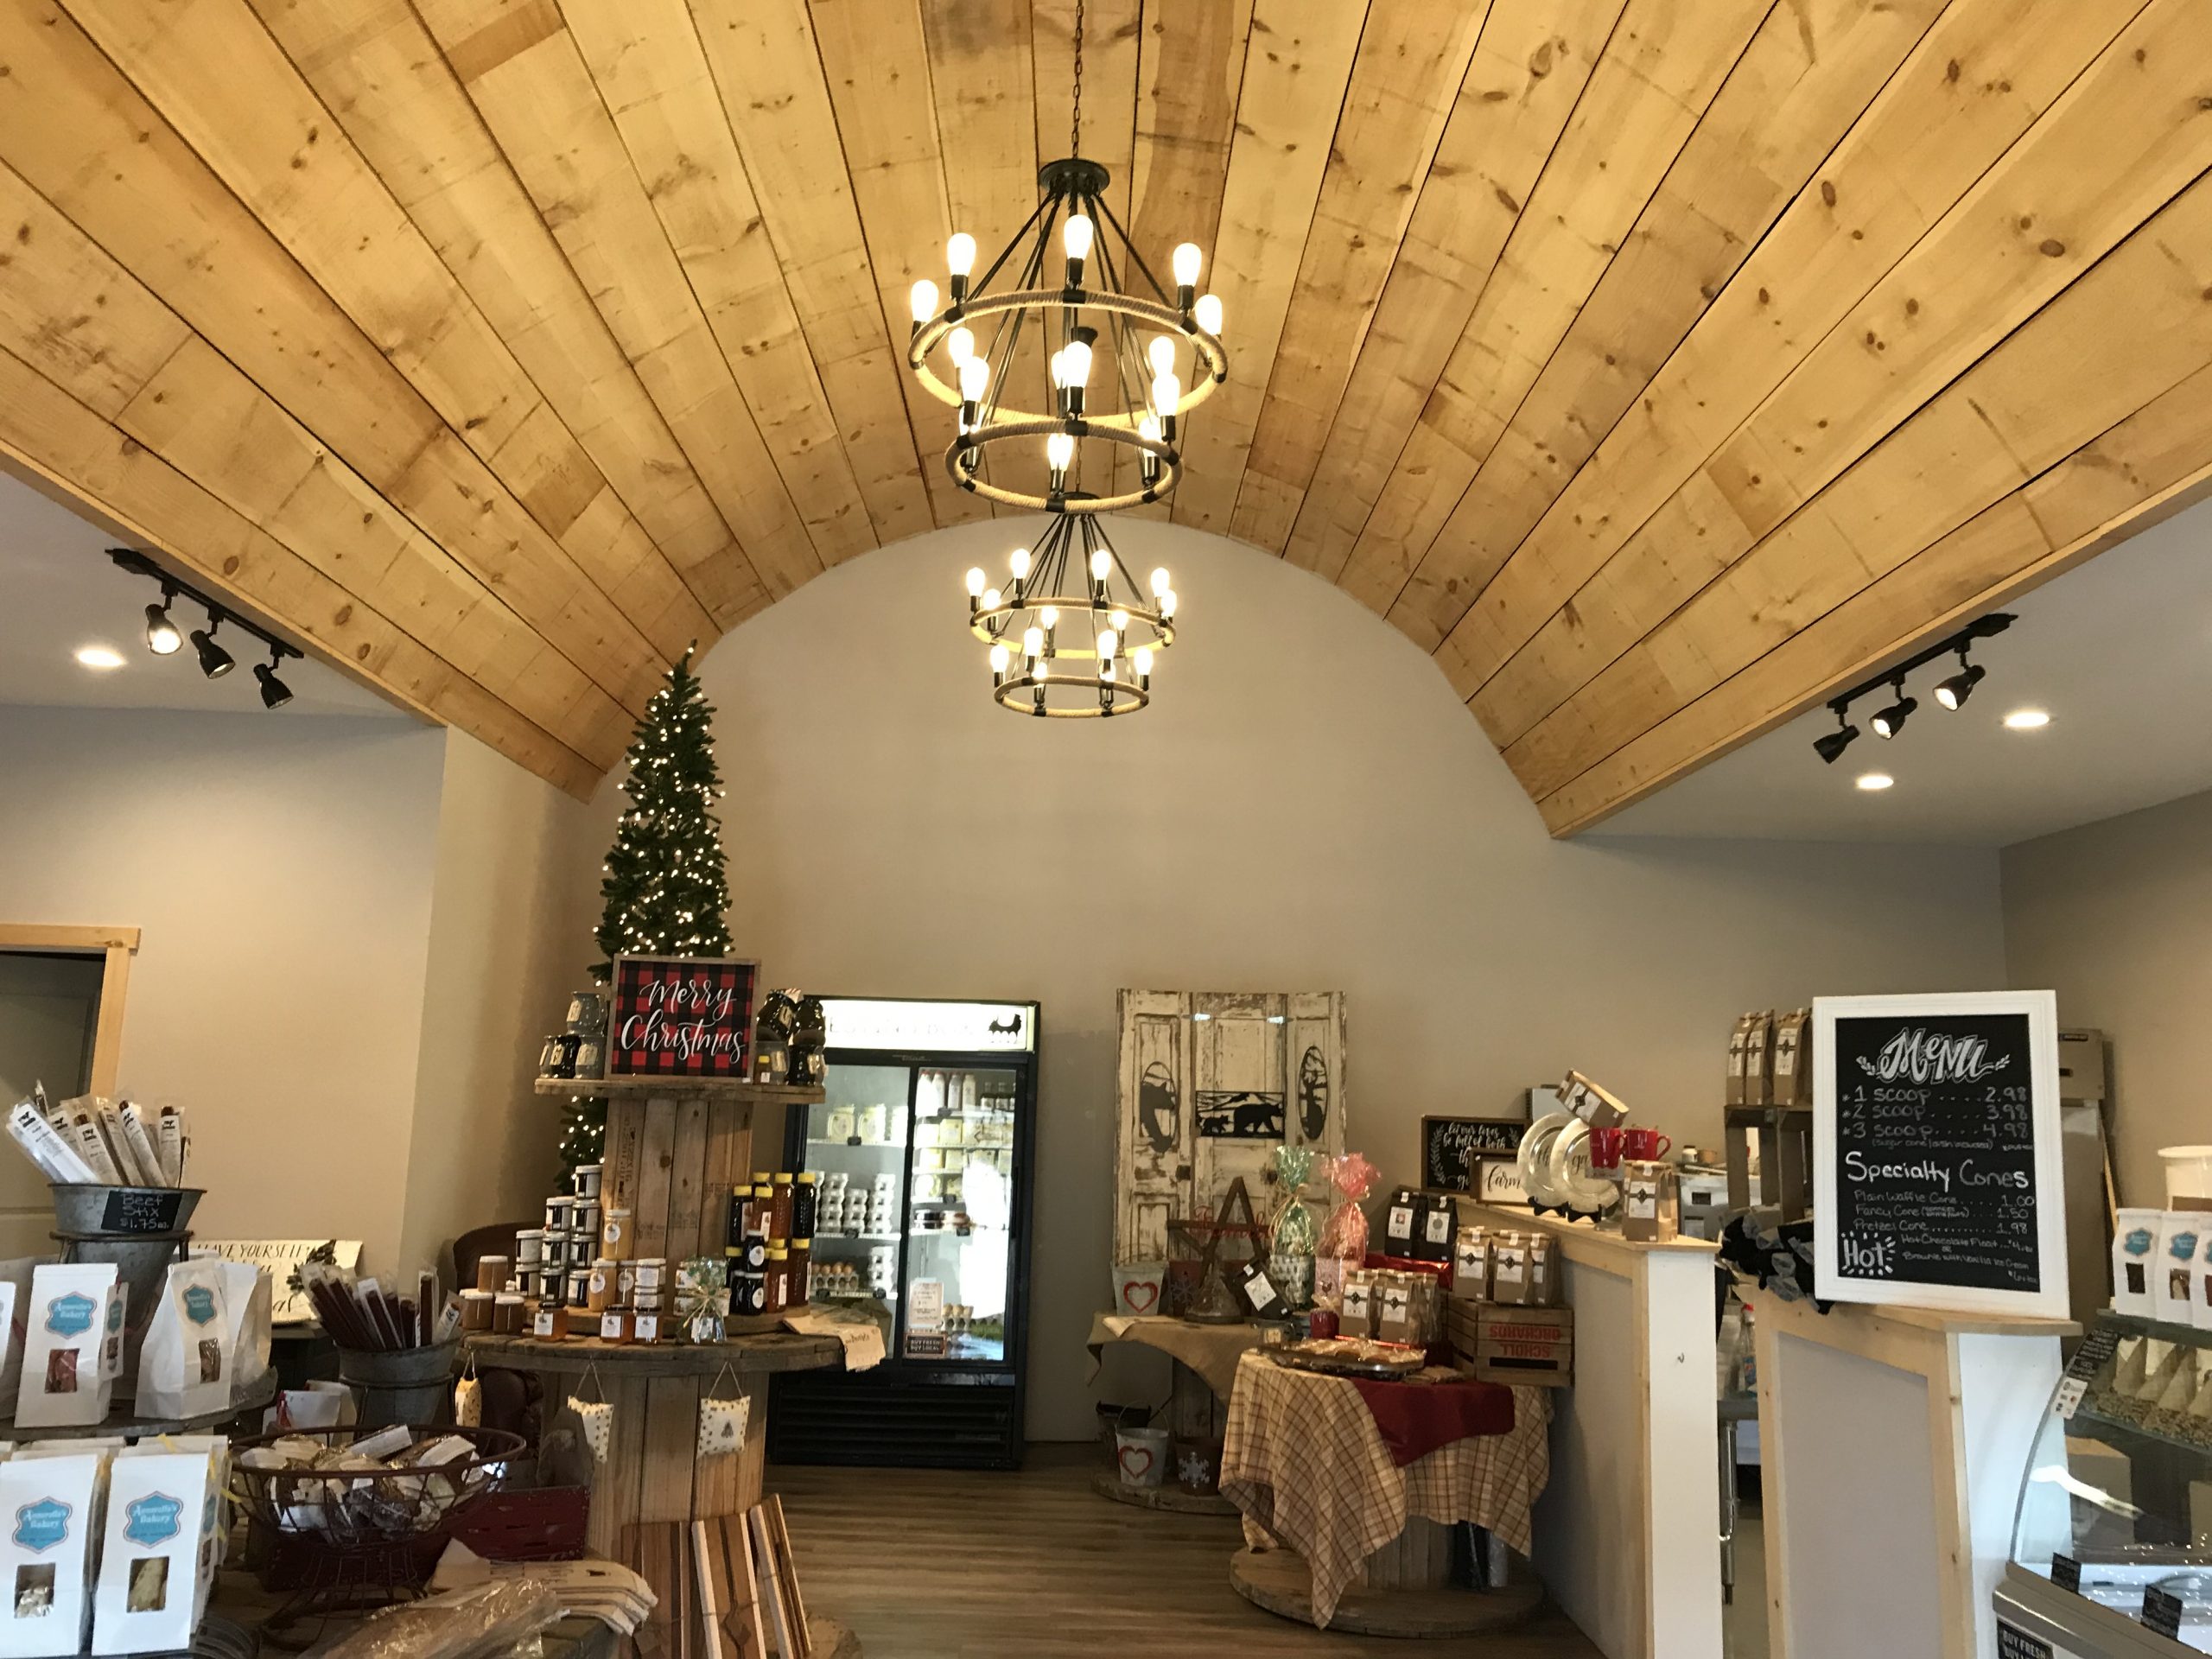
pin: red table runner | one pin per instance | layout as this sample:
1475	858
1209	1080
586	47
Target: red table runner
1415	1419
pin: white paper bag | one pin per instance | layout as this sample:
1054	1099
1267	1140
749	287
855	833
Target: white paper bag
184	1367
16	1275
73	1346
48	1509
150	1588
249	1295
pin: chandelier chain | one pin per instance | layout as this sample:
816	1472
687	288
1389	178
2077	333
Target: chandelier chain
1075	124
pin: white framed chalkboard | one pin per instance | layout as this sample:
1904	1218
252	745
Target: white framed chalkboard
1935	1157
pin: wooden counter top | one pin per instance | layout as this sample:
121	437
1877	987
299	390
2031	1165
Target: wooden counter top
1847	1325
780	1350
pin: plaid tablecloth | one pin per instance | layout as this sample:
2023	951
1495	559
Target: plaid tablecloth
1307	1467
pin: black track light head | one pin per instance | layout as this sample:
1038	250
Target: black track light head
1831	745
162	637
275	693
1891	719
1954	692
214	661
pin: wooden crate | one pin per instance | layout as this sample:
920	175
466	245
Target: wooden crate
1530	1345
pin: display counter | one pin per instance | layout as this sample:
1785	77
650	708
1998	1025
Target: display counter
1628	1531
1892	1441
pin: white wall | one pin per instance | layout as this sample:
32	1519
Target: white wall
278	871
355	934
2115	918
1306	806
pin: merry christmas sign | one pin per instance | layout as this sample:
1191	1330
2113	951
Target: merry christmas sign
680	1016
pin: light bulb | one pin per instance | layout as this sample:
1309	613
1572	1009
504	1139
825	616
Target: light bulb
1144	661
1168	603
1161	352
974	580
1075	364
1107	644
1059	450
993	599
1032	642
1019	561
1101	563
1119	621
1159	583
975	378
1076	236
1040	670
1149	428
924	299
1186	260
960	254
1058	367
1106	670
961	344
999	657
1167	393
1050	616
1207	313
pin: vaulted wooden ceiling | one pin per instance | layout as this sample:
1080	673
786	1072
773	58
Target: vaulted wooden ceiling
1659	365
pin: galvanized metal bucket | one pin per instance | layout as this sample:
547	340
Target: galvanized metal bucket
404	1385
142	1230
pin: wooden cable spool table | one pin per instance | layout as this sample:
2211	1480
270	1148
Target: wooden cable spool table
675	1147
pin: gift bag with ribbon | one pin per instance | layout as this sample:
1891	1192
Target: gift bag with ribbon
1293	1235
1344	1236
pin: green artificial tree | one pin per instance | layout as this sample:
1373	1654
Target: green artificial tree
666	884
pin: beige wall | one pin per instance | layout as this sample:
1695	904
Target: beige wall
2116	917
278	869
1306	806
355	934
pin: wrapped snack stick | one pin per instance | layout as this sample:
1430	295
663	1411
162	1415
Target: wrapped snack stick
169	1139
92	1146
43	1144
143	1152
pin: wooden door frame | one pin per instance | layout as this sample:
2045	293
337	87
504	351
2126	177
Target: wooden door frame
116	945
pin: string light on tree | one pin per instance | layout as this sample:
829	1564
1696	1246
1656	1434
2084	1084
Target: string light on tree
665	882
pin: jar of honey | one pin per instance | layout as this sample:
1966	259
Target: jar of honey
604	1282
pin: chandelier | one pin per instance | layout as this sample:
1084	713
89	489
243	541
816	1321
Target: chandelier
1111	371
1072	601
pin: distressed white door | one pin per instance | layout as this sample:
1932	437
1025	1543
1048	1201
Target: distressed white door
1210	1084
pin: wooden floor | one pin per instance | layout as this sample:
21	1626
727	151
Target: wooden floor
930	1565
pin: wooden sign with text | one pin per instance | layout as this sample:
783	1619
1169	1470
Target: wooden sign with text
680	1016
1936	1155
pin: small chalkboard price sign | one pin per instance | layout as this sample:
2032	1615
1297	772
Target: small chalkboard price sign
1451	1147
1936	1153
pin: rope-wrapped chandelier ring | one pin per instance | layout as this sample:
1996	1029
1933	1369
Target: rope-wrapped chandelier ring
1163	628
928	335
1119	698
963	453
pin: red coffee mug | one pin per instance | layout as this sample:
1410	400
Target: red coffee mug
1645	1145
1606	1149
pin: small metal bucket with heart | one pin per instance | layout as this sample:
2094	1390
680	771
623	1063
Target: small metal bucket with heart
1142	1454
1138	1288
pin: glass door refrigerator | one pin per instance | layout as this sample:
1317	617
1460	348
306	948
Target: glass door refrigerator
923	1147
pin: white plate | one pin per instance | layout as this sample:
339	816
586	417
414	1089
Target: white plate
1535	1155
1566	1170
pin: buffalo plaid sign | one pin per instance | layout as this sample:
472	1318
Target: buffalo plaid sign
681	1017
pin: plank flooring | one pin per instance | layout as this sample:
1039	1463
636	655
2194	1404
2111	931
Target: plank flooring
927	1564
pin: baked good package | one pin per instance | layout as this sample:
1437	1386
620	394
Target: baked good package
154	1564
184	1369
48	1506
73	1346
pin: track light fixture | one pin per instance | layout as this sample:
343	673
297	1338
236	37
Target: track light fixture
1951	693
1890	721
1830	746
163	638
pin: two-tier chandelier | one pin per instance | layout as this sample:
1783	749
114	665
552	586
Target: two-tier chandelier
1113	373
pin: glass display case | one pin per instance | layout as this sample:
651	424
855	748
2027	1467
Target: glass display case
2111	1544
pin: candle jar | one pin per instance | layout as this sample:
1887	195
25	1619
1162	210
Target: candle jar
560	1211
579	1288
476	1310
491	1272
506	1313
585	1180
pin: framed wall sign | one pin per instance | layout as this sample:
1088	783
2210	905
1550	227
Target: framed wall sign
680	1016
1936	1153
1451	1147
1499	1182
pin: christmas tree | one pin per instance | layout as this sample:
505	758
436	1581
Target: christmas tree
665	881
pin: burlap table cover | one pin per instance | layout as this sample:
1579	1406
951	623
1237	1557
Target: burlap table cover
1308	1469
1211	1350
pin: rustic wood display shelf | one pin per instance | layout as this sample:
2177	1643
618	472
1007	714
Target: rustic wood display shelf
721	1088
755	1355
123	1420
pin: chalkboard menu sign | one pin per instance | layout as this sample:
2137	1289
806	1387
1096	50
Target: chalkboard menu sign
1935	1151
1451	1147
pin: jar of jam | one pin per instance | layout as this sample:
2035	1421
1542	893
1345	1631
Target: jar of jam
604	1282
748	1291
579	1288
778	1279
752	1255
805	1203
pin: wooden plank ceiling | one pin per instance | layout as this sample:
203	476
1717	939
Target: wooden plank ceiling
1658	365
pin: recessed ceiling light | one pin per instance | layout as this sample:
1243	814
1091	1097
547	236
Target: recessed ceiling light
99	656
2027	720
1871	781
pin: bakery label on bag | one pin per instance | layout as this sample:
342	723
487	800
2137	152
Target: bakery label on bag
70	1315
199	1304
153	1519
41	1526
